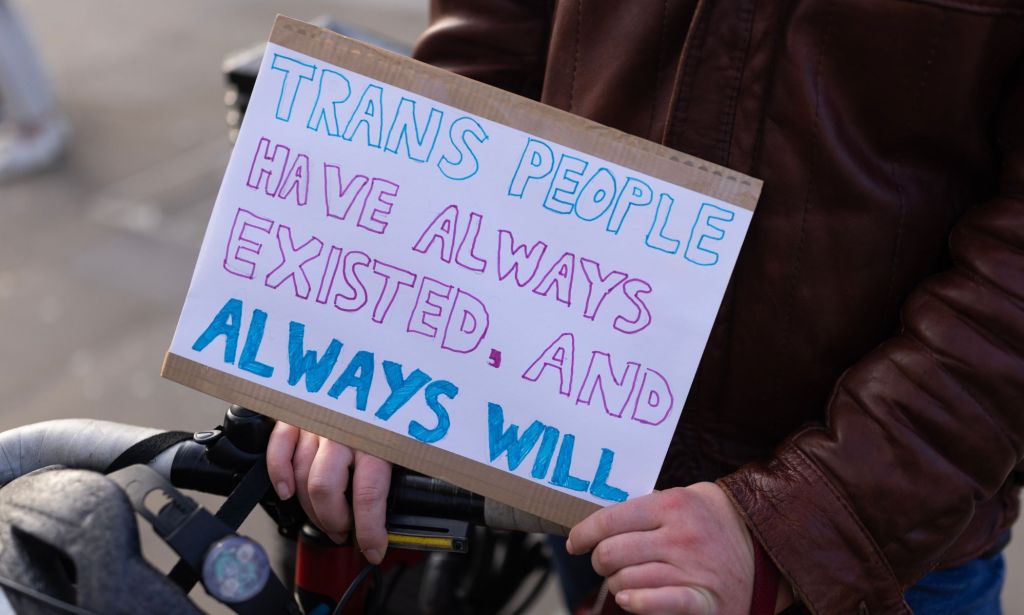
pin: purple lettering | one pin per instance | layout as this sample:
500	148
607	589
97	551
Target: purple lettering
293	261
240	240
518	257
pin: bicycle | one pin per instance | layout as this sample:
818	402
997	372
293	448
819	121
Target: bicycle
50	563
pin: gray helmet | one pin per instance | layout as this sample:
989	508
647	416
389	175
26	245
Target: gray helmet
81	547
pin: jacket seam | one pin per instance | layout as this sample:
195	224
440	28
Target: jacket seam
576	55
659	65
878	559
810	187
926	74
691	46
766	98
728	117
890	292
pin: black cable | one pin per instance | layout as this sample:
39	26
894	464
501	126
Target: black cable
386	593
35	594
354	586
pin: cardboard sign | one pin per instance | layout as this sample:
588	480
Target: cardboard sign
457	279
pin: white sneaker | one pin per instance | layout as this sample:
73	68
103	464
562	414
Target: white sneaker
21	153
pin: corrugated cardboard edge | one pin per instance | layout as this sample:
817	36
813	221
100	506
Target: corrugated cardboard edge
486	480
518	112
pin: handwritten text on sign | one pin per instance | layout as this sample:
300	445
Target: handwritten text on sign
455	280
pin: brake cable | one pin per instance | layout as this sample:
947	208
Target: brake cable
35	594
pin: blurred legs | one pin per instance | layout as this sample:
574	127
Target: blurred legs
36	132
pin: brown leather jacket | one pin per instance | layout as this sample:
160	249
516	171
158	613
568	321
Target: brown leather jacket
862	394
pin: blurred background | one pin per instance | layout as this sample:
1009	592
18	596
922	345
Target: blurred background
96	254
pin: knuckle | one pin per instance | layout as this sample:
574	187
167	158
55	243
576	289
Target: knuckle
301	473
675	498
320	487
368	495
683	498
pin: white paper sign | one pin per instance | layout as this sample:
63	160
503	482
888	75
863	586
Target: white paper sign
457	281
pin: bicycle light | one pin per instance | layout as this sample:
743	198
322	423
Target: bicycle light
235	569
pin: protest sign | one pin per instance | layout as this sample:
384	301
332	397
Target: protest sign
457	279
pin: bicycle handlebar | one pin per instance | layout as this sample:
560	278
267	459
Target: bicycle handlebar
92	444
86	444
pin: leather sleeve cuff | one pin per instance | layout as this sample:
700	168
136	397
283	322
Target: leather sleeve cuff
813	536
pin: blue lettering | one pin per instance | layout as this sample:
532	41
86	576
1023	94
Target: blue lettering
657	239
545	453
508	441
405	119
290	83
600	487
402	389
635	193
561	476
696	251
227	322
358	374
467	164
435	390
539	161
368	113
328	97
562	192
253	339
304	363
597	196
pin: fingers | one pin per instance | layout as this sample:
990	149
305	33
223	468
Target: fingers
326	484
642	576
632	516
316	470
679	600
622	550
302	462
370	486
280	449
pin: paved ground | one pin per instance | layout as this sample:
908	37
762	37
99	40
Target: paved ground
95	257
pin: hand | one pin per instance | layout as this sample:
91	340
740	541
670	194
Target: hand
684	550
316	469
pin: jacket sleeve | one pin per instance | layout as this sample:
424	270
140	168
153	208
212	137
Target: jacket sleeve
920	432
499	42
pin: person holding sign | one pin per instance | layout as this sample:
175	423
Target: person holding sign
855	422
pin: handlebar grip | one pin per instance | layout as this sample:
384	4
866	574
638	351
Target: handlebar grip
78	443
500	516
